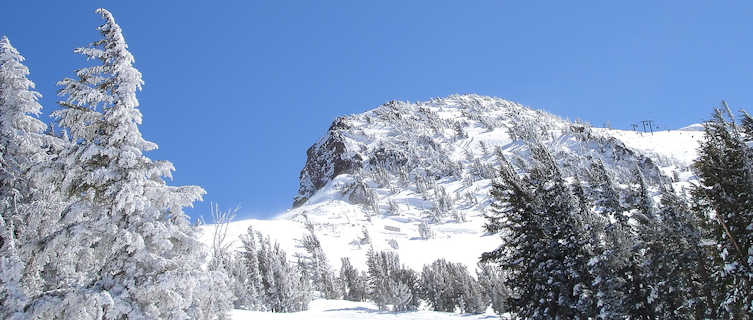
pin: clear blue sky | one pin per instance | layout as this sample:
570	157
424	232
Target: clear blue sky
237	91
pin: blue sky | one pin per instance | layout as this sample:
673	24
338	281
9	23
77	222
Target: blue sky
237	91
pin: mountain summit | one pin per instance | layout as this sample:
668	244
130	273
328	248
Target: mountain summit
415	177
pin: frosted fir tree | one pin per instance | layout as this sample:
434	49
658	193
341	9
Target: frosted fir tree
133	253
448	286
29	206
281	281
248	286
746	126
317	265
12	295
491	279
21	133
353	283
390	283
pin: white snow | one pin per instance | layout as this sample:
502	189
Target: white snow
342	309
679	145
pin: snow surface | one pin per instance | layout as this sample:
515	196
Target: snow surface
343	309
679	145
462	242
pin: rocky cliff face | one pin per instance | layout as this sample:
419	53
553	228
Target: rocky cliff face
405	146
325	160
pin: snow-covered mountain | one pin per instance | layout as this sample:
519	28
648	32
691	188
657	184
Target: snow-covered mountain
403	166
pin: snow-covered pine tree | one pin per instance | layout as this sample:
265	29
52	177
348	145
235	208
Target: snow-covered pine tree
591	228
438	286
709	291
673	247
491	279
641	303
512	215
746	125
390	283
317	264
281	281
424	231
610	284
725	171
21	142
510	207
378	264
353	283
247	287
130	250
403	290
606	198
448	286
30	201
543	254
21	133
642	201
12	295
565	268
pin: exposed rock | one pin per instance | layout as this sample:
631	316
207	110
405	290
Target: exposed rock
357	193
325	160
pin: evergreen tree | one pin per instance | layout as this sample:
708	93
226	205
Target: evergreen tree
30	201
608	267
492	280
281	282
543	254
606	198
131	250
725	171
673	247
21	148
424	231
566	264
390	283
746	126
616	267
641	305
449	286
353	282
316	264
12	295
709	291
247	285
591	227
21	133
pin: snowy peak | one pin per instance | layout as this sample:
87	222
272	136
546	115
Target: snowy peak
415	177
386	136
452	136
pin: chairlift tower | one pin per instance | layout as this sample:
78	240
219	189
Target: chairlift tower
648	126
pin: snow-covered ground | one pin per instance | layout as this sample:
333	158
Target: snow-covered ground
680	145
342	309
457	242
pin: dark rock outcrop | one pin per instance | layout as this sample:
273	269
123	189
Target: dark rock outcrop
325	160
